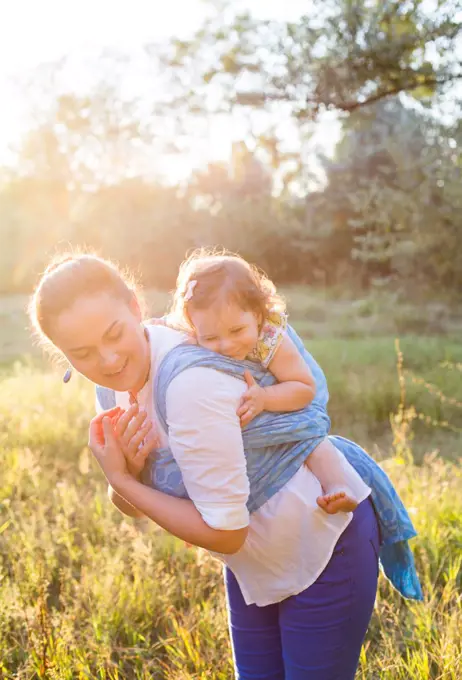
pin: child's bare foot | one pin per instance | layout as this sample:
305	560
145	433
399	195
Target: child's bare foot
336	502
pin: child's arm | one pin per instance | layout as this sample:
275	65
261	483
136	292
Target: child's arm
295	390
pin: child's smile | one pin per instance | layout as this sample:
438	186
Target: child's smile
226	329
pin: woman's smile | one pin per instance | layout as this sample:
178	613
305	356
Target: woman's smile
115	374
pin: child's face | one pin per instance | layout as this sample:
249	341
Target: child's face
226	329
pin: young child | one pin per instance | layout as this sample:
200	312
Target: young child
233	309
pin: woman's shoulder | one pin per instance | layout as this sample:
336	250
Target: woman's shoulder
161	335
105	398
163	339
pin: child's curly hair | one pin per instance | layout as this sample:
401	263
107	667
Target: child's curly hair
208	276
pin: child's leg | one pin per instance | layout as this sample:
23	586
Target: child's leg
327	464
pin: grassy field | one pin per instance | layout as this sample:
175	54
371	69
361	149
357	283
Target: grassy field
86	593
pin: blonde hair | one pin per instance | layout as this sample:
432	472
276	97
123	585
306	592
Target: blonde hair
68	277
207	276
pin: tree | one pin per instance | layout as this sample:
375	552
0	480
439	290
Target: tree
391	204
343	55
235	208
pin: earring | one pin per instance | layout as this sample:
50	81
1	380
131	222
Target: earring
68	375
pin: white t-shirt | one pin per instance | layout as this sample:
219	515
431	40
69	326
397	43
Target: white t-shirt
290	539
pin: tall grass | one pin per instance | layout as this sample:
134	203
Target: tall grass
87	593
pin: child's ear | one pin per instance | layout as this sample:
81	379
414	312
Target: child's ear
260	320
135	308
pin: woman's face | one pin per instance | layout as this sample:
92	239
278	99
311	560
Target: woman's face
103	338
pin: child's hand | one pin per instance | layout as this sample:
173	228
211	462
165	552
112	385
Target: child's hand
136	437
252	402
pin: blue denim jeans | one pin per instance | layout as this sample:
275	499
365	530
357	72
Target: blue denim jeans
317	634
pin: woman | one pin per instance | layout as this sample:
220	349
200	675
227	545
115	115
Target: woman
302	583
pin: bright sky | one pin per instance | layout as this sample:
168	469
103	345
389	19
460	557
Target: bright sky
33	33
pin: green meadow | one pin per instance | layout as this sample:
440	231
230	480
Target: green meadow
87	593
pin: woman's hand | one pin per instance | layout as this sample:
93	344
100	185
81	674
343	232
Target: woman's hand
136	437
104	446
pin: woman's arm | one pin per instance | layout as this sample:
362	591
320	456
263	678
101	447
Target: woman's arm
206	440
176	515
179	517
122	505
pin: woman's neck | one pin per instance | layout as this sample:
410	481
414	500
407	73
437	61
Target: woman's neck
145	374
